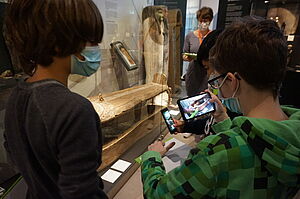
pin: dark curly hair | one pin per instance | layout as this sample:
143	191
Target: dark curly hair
256	49
39	30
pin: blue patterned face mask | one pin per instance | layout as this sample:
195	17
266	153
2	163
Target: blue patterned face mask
232	103
91	63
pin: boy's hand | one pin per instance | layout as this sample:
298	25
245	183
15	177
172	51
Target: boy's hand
158	146
220	114
187	58
179	125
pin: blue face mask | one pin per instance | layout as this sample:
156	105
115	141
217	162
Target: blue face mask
232	103
91	63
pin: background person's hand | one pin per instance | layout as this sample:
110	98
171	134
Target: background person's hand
179	124
220	114
159	147
187	58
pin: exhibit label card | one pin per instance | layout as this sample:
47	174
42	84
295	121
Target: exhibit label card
291	38
111	175
121	165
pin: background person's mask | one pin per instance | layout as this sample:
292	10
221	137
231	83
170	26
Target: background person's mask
91	63
203	25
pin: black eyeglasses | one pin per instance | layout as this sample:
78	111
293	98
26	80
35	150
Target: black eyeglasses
214	82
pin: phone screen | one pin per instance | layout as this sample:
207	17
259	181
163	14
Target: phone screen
196	106
169	120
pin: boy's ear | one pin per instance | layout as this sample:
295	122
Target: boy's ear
233	80
230	76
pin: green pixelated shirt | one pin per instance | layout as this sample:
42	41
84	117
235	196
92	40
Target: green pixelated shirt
247	158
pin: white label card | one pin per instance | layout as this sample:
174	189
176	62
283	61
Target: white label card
111	175
291	38
121	165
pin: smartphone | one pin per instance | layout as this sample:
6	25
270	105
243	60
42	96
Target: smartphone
169	120
195	106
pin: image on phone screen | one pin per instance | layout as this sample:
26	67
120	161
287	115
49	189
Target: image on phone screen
196	106
169	120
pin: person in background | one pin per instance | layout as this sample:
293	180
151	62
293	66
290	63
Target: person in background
201	126
203	55
251	156
195	75
53	135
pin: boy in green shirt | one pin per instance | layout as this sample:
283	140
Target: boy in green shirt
252	156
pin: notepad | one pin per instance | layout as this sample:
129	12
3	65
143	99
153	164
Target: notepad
177	143
177	154
169	164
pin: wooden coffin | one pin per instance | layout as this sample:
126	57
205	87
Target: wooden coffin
175	25
126	116
155	41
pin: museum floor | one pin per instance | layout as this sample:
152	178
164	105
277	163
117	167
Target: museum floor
133	188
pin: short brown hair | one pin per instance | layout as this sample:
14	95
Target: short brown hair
256	49
40	30
205	13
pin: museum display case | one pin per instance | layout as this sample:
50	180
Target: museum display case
140	68
139	73
123	111
287	15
